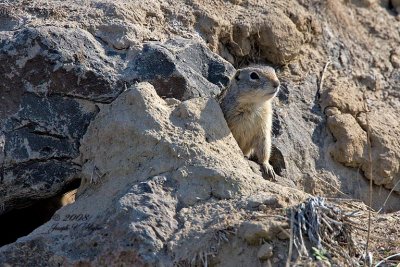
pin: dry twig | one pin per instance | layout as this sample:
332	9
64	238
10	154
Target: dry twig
387	198
321	83
370	180
325	226
387	258
290	240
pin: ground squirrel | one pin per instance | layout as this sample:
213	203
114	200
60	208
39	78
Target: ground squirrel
248	111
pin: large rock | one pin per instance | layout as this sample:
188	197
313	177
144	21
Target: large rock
270	34
385	147
349	119
39	145
52	60
52	76
160	139
159	168
181	69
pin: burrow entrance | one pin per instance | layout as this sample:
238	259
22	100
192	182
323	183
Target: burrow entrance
21	222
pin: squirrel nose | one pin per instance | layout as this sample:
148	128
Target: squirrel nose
276	84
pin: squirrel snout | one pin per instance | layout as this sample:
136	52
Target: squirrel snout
276	84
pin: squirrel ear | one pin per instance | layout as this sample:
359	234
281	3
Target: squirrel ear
237	76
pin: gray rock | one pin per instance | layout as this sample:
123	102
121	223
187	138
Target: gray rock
155	159
181	69
40	143
51	60
51	78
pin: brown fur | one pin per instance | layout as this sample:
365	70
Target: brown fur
248	111
68	198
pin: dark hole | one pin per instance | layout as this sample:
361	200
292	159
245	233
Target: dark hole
277	161
20	222
254	76
390	5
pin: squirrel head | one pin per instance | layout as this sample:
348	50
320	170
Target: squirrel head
255	84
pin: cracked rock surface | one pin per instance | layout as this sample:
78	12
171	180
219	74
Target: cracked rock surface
172	162
54	78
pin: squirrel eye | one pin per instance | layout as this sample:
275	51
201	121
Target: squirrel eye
254	76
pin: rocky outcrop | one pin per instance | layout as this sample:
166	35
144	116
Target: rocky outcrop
54	90
156	139
61	75
350	119
157	159
91	92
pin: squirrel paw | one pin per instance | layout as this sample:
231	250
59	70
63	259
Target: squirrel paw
268	171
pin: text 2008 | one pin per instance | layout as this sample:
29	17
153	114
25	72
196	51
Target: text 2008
76	217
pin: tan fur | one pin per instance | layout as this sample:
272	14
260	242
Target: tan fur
68	198
247	107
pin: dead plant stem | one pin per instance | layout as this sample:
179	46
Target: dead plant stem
291	240
370	181
321	83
